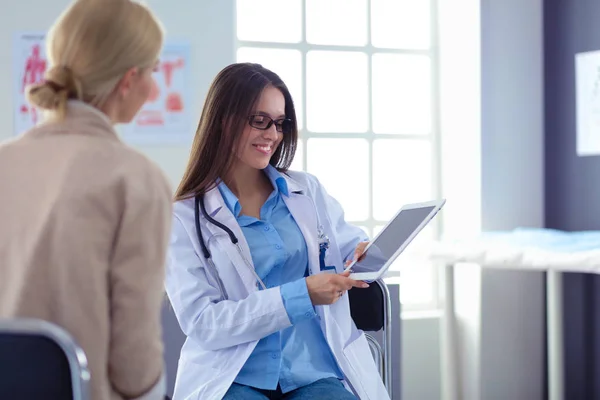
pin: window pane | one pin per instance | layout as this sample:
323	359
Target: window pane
401	24
328	157
297	163
269	20
337	89
401	94
336	22
285	63
401	175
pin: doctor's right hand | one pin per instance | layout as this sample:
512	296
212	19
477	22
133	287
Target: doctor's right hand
329	288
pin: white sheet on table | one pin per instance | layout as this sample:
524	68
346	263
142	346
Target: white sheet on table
525	248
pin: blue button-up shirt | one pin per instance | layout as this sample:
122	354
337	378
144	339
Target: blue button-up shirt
298	355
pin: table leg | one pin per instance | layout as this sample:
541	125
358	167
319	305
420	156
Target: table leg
554	329
449	365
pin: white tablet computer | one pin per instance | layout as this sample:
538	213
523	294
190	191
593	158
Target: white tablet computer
393	239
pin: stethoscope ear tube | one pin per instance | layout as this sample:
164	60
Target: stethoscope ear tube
205	251
199	202
200	207
213	221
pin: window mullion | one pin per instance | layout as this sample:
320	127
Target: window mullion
370	117
303	46
304	52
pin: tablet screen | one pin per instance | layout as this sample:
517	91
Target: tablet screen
391	238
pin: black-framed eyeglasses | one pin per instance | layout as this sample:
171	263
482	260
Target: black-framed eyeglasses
264	122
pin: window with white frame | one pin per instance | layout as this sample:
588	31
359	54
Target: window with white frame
363	75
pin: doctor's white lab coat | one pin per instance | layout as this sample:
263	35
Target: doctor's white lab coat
221	334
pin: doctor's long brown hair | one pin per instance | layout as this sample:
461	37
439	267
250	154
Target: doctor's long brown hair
230	101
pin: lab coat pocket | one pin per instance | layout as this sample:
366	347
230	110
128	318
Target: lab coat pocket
366	380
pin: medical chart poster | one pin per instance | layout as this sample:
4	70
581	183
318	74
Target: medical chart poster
29	66
166	116
164	119
587	89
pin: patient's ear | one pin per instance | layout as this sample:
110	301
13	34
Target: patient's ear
126	82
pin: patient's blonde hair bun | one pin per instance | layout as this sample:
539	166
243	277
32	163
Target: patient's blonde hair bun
59	85
90	47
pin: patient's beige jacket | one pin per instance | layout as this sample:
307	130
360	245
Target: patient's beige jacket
84	227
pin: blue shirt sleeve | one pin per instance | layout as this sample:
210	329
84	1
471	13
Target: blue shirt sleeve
297	301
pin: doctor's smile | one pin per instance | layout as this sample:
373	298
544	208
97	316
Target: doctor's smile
265	149
255	271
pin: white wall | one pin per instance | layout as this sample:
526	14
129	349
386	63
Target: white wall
500	314
460	109
420	377
209	25
512	308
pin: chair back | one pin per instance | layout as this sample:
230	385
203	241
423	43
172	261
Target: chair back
39	360
367	307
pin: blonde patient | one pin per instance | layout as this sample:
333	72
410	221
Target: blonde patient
85	218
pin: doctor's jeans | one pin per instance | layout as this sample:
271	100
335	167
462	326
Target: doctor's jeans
323	389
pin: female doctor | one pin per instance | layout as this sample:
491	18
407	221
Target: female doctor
255	271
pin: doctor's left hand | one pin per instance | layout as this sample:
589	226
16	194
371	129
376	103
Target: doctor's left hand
358	252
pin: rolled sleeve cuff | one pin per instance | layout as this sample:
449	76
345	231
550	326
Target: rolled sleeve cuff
297	301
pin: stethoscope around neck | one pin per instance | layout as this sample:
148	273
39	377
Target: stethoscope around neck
199	207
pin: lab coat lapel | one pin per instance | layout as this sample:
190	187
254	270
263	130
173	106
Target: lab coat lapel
303	210
216	207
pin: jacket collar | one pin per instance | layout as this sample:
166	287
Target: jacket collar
215	202
276	178
76	108
293	185
82	119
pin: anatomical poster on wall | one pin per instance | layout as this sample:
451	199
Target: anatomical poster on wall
29	65
164	119
587	88
166	116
